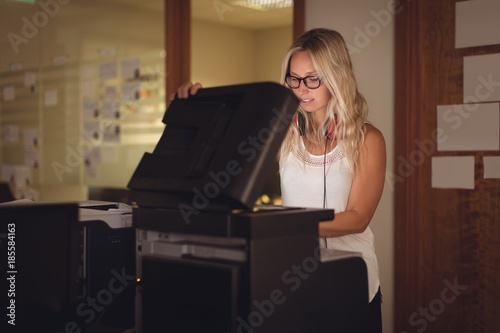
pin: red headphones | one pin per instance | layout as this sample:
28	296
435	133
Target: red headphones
301	124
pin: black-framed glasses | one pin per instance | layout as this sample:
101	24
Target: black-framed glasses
311	82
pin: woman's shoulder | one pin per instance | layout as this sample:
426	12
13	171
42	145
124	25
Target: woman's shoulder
373	136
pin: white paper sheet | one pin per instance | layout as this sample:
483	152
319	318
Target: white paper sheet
131	69
22	176
31	157
92	131
50	98
477	23
90	109
7	173
92	162
9	93
469	127
108	70
111	94
491	166
107	52
453	172
111	132
131	91
60	60
30	138
111	110
29	79
10	133
482	78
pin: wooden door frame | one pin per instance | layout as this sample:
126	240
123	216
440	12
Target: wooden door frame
178	40
177	44
406	201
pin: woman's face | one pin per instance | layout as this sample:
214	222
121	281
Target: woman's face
311	100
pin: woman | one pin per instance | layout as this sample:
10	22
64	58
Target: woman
331	157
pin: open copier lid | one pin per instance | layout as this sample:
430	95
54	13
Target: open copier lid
217	149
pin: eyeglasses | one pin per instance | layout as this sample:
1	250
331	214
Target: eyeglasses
311	82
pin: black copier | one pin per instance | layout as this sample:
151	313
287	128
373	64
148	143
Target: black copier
209	259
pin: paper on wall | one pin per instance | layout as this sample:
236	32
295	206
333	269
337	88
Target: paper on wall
29	79
9	93
108	70
50	98
30	138
131	69
491	166
453	172
476	23
10	133
31	157
469	127
90	109
482	78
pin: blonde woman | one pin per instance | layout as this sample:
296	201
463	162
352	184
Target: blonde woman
331	157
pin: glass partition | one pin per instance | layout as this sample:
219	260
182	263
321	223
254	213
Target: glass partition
82	88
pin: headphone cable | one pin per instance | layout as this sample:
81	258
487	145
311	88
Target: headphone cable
324	180
324	175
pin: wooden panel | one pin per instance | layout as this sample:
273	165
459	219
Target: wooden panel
177	44
447	252
299	21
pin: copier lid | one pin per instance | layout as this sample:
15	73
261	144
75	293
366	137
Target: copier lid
217	149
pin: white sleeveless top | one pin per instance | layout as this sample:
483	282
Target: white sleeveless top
302	185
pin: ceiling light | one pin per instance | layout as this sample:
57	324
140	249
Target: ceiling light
263	4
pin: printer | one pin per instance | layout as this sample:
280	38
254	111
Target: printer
107	275
71	266
208	259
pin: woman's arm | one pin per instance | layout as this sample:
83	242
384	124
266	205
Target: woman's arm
366	189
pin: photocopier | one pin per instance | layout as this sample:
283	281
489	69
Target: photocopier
208	259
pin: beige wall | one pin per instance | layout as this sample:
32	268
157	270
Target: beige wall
223	55
370	33
270	50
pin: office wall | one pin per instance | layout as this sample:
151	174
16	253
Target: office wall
223	54
368	27
34	33
271	48
59	47
447	255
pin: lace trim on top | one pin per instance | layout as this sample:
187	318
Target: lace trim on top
317	160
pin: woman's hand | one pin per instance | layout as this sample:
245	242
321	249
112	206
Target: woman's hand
185	90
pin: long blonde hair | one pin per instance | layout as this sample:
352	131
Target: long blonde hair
347	105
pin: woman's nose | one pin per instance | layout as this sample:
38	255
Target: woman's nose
302	89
